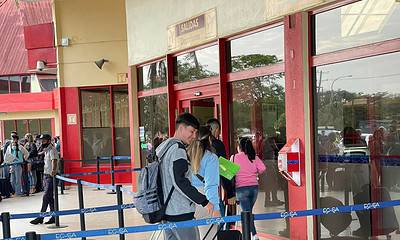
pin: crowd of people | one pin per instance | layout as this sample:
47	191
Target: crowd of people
191	179
22	164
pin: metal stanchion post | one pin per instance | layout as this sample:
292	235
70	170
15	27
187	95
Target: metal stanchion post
56	205
120	211
246	218
62	168
5	219
98	170
32	236
81	206
112	174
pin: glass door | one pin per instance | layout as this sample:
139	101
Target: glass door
203	109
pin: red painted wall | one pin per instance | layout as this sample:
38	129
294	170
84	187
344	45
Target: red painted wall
39	36
294	87
39	40
48	55
17	102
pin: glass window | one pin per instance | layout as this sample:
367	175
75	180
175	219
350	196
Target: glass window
196	65
9	126
357	142
26	84
153	122
257	111
96	123
14	84
121	119
47	85
45	126
22	128
34	126
4	85
96	108
153	75
256	50
356	24
96	142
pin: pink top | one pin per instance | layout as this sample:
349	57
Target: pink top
247	174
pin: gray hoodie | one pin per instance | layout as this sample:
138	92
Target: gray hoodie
175	171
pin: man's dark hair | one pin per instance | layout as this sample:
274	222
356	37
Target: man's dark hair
188	120
45	137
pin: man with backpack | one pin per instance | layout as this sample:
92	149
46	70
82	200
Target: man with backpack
176	179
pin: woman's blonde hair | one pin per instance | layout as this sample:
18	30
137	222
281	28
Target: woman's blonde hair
198	147
196	153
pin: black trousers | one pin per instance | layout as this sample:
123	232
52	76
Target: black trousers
39	181
48	197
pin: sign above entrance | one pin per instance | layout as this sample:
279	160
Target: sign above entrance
279	8
193	31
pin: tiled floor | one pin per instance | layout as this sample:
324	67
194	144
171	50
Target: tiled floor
69	200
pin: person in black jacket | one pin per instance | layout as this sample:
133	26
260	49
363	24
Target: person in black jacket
219	147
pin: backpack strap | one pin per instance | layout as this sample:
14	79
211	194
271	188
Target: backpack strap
169	196
172	142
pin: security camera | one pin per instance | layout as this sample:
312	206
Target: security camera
40	65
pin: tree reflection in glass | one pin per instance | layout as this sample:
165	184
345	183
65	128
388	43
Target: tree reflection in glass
153	75
153	121
197	65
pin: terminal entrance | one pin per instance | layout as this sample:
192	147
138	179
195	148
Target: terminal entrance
202	109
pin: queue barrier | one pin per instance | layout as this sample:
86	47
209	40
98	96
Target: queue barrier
94	185
72	211
6	217
98	159
101	172
391	160
209	221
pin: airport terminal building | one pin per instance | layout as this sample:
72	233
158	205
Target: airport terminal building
320	73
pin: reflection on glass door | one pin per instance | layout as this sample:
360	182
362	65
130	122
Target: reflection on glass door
357	143
202	109
257	112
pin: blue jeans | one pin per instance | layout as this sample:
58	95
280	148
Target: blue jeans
32	178
16	179
247	197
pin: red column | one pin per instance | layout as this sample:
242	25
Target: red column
223	94
69	133
133	122
171	95
296	75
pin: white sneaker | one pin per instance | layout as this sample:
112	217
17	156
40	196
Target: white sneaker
255	237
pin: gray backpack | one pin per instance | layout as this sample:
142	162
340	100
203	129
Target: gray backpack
149	200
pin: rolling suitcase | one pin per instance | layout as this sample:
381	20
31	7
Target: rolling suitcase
227	234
